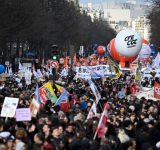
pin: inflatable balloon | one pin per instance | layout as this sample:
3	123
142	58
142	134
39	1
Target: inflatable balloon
128	43
2	69
95	45
95	51
117	56
145	52
101	50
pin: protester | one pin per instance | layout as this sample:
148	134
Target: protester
131	124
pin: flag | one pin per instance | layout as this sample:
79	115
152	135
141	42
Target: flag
156	90
42	64
93	109
94	73
63	101
64	72
37	94
37	99
61	89
156	62
20	67
66	62
75	59
102	123
94	90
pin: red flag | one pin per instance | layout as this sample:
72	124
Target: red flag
63	101
102	122
156	90
64	105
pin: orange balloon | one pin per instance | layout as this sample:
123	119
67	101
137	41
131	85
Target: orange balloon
146	42
117	56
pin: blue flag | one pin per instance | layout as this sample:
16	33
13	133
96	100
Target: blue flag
63	97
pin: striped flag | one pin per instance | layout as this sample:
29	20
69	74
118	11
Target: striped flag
102	123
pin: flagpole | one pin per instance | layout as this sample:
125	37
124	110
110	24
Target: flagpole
95	135
100	105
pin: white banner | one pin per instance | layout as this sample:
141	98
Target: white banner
9	107
83	76
99	68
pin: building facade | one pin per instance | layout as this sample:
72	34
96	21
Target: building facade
140	25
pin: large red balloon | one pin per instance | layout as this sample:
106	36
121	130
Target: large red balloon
101	50
117	56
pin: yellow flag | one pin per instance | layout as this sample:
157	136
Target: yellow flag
118	73
137	74
61	89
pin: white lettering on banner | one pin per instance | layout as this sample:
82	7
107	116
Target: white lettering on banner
157	90
100	68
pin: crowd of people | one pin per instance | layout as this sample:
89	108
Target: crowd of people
132	123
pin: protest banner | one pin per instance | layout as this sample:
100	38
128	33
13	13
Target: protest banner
23	114
99	68
9	107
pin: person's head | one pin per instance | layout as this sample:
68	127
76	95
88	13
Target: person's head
85	96
66	119
3	147
60	129
77	105
122	109
9	143
91	114
37	146
39	138
132	116
55	131
69	128
21	134
46	128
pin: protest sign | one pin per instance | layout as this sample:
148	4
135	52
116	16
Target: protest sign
23	114
34	108
9	107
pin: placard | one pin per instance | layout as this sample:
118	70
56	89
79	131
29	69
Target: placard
23	114
9	107
34	107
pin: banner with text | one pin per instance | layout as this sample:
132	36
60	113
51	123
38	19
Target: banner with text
84	71
23	114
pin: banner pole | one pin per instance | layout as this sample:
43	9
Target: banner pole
95	135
